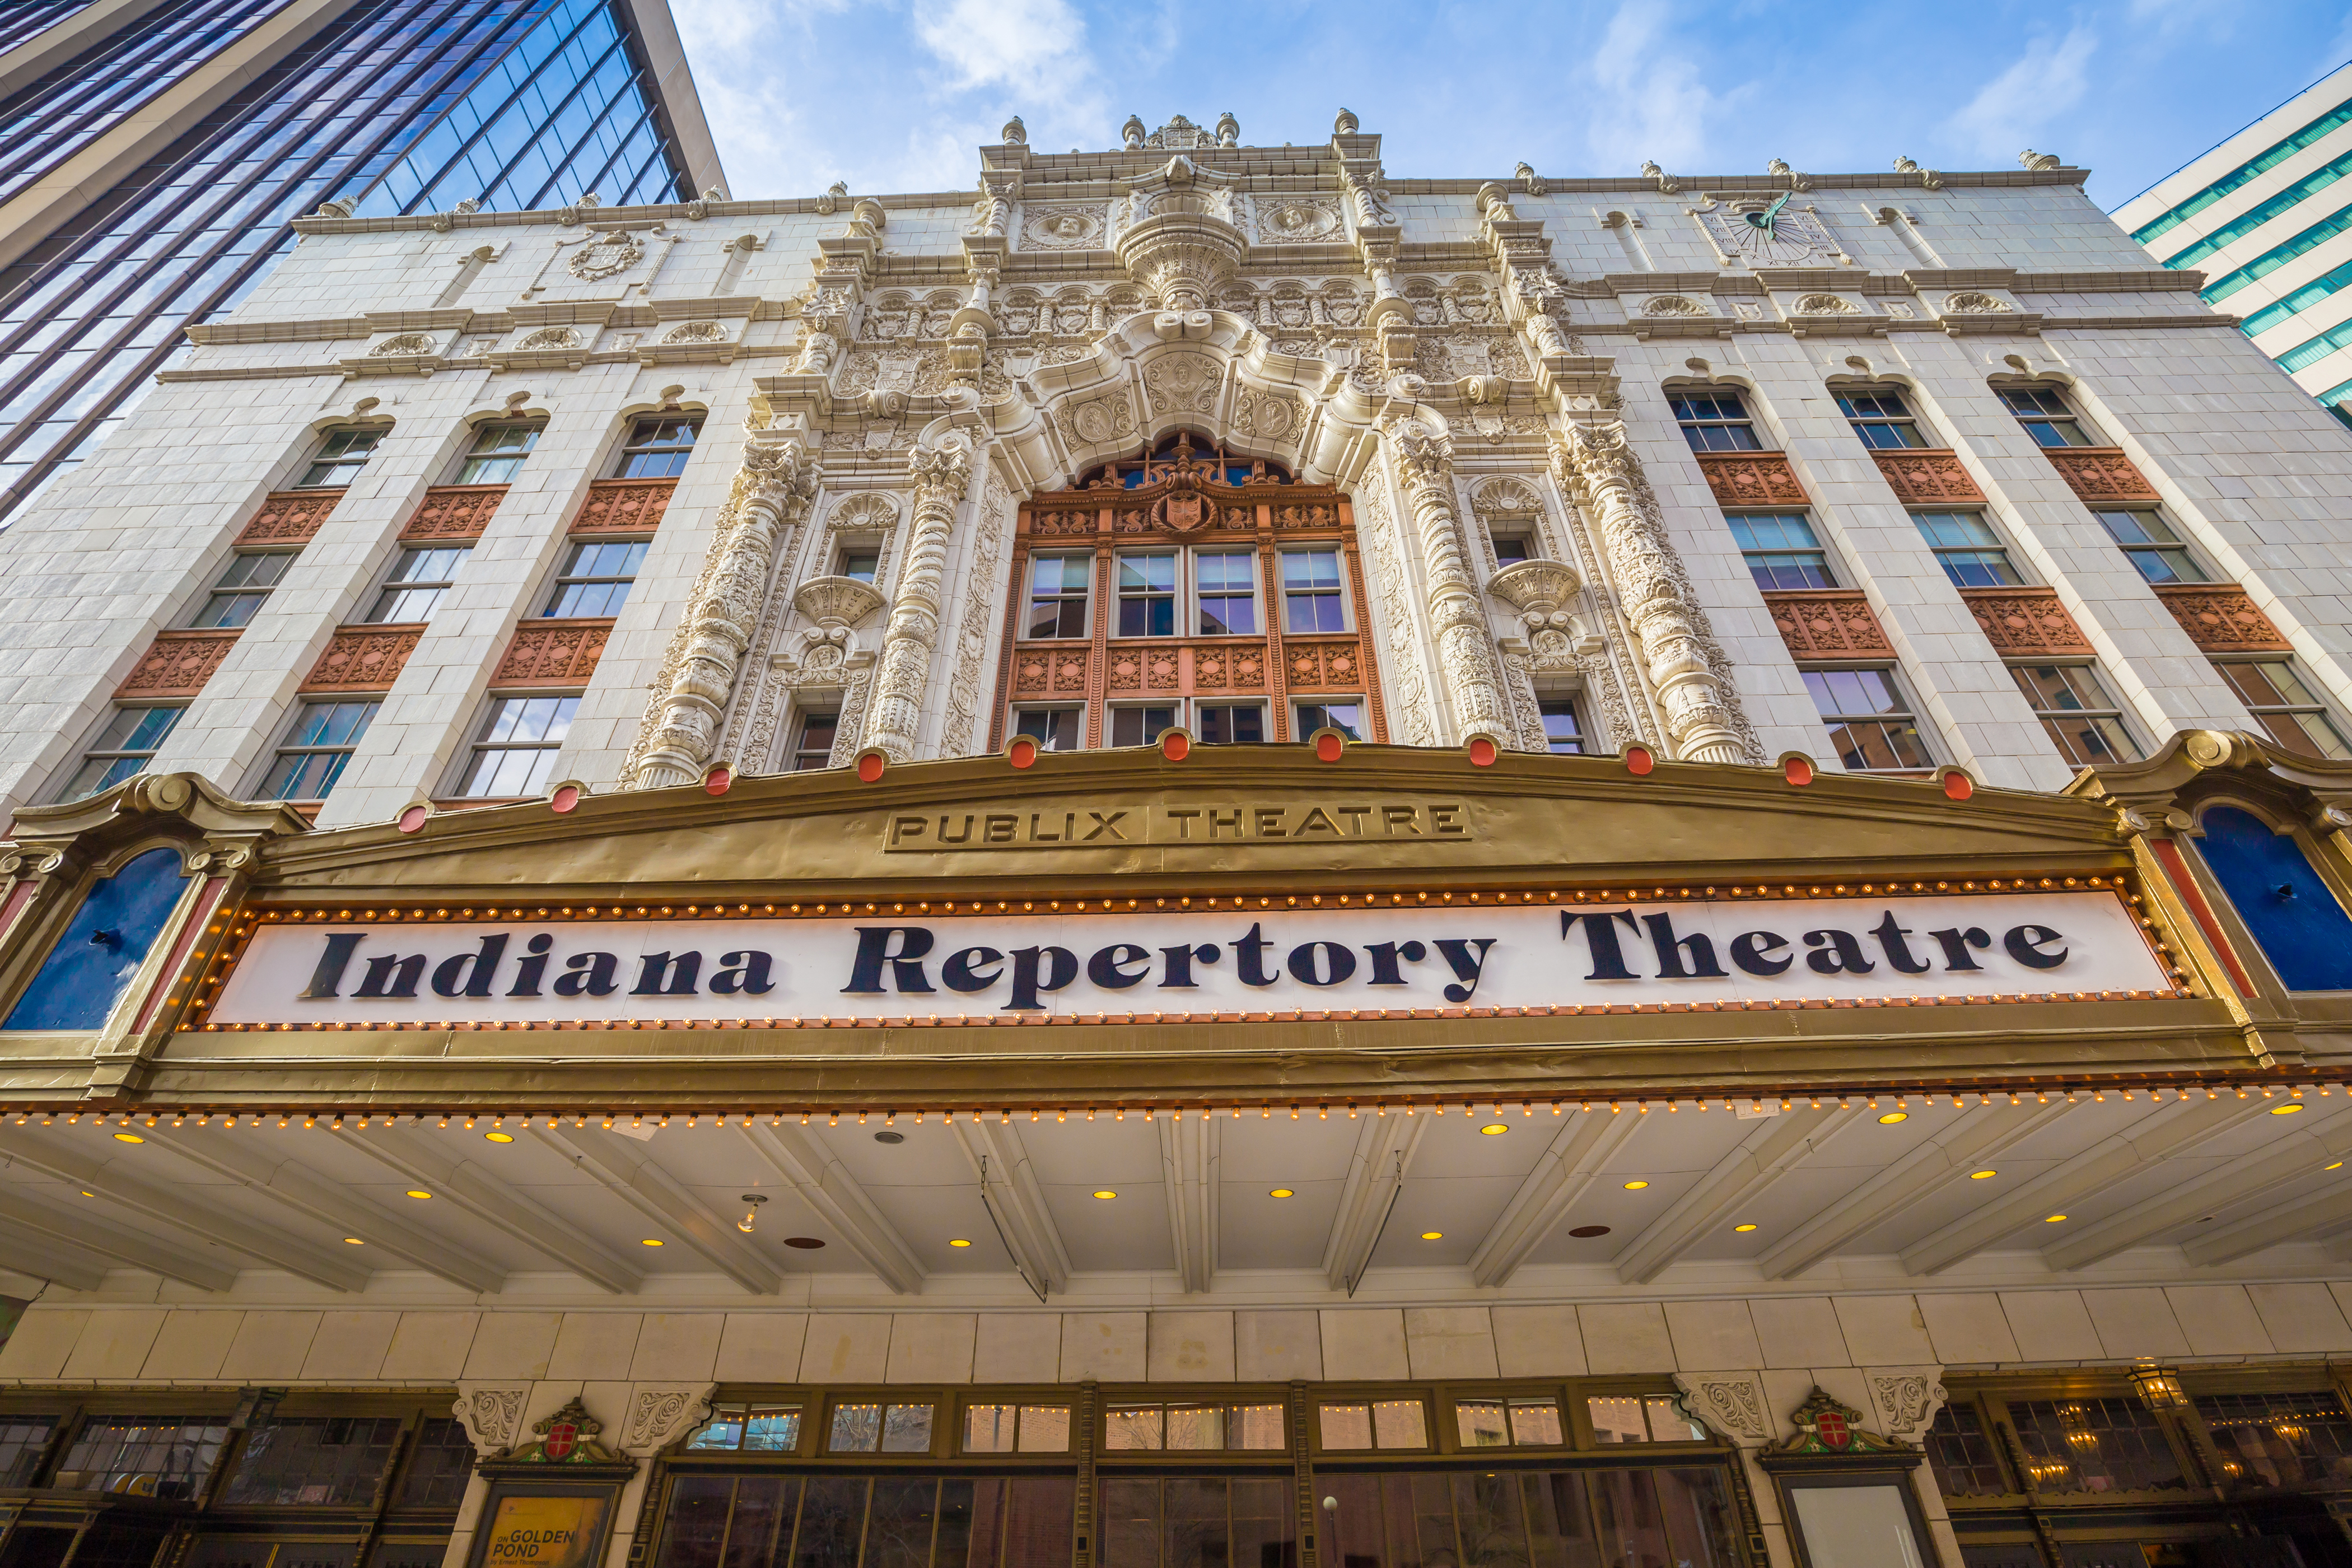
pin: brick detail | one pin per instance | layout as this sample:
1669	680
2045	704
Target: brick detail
289	517
455	511
1751	479
2220	618
1049	670
624	506
1929	479
1828	623
553	652
1147	668
1327	664
363	658
2025	622
177	663
1229	667
2102	476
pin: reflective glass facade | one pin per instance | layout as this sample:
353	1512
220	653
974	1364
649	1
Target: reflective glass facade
21	20
396	105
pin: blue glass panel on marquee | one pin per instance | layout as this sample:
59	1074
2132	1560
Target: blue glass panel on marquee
102	947
2303	930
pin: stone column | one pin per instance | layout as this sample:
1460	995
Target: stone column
1465	644
1685	664
905	667
772	494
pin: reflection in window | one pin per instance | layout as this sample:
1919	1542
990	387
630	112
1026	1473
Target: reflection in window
2157	553
2044	413
1881	419
1871	722
904	1520
658	448
1310	592
1147	595
341	458
1194	1426
1232	723
1058	596
1562	734
497	454
1345	717
1617	1518
1139	726
514	754
1967	549
241	590
813	741
597	576
2289	712
751	1429
2094	1445
138	1457
880	1428
1507	1423
2280	1439
335	1461
1016	1428
1378	1424
317	749
1198	1521
124	748
1634	1419
1226	584
22	1440
413	589
1961	1452
1714	422
438	1468
1781	550
1054	728
2082	717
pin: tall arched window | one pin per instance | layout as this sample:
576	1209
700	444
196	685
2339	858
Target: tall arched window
102	947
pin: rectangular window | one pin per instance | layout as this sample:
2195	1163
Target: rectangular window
413	589
812	741
159	1457
1226	586
1054	728
859	563
514	754
597	576
1378	1424
2094	1445
1961	1452
124	747
657	449
1631	1418
2279	1439
1345	717
1310	592
335	1461
341	458
438	1468
2084	721
880	1429
316	748
1057	595
240	591
2284	706
1716	422
1139	726
1016	1428
1881	419
1507	1423
2045	417
498	453
1562	734
2160	554
751	1429
1510	549
1198	1521
1969	551
1232	723
1870	720
1147	595
1781	549
22	1440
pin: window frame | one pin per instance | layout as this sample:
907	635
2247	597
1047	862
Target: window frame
1337	594
1574	703
480	744
1301	729
1750	555
1111	711
1906	423
797	747
1945	552
91	751
1833	722
2051	717
391	584
1148	595
321	458
1083	597
2069	420
573	545
848	547
286	746
219	592
1076	710
2172	541
633	448
1190	612
1694	426
479	450
2315	702
1201	725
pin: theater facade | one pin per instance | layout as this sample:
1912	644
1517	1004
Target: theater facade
1285	869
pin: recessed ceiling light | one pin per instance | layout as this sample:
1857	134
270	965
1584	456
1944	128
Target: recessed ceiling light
1282	1193
1635	1186
1104	1192
418	1192
1743	1229
1891	1117
1432	1236
2287	1110
129	1138
500	1137
354	1241
959	1241
805	1243
2054	1219
649	1241
1494	1127
1982	1175
887	1136
1587	1231
2337	1166
89	1194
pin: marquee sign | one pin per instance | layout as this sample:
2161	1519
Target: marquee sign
1258	957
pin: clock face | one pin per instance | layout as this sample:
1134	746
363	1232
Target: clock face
1796	235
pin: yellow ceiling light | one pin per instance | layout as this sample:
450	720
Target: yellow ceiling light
649	1241
1105	1193
1982	1175
2054	1219
500	1137
2337	1166
2287	1110
959	1241
354	1241
1282	1193
1743	1229
129	1138
1494	1127
1635	1186
418	1192
1432	1236
1891	1117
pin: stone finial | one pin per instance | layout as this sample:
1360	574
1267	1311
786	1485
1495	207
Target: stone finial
1346	124
2037	161
589	199
470	204
341	207
1229	129
1014	134
1778	168
1532	182
714	194
1131	133
1904	165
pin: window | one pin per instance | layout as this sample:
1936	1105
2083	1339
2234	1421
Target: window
497	454
2094	1445
341	458
1016	1428
813	741
656	448
2280	1439
880	1428
413	589
751	1429
1378	1424
1622	1516
2159	553
1781	549
1641	1418
1344	717
1716	422
316	748
1870	720
2045	417
1562	734
22	1440
597	576
337	1462
439	1467
1961	1453
159	1456
1147	595
1226	581
1510	549
2084	719
1199	1522
1054	728
1969	551
1194	1426
515	752
2283	705
1057	595
860	562
1232	723
1507	1423
236	597
1139	726
124	747
1881	419
1310	592
900	1519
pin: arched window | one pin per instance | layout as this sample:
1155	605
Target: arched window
1184	451
102	947
2301	927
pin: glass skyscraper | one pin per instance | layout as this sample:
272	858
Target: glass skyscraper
206	125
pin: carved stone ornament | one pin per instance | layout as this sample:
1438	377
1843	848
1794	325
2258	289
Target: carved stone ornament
1062	226
1536	587
659	1415
1267	416
1823	1426
696	332
1729	1403
549	338
567	1437
491	1414
1098	419
404	344
606	255
1974	304
1466	645
837	601
1187	247
942	475
1825	305
1297	221
1905	1402
1673	305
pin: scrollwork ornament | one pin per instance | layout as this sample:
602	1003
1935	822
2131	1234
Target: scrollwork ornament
491	1415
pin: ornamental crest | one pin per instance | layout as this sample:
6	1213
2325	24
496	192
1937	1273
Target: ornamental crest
606	255
1062	228
1825	1426
1181	512
567	1437
1297	222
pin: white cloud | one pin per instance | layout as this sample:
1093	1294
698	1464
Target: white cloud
1030	45
1647	102
2017	105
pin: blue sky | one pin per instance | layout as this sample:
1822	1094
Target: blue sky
893	95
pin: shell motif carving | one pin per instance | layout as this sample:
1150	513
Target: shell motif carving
549	338
696	332
1825	305
606	255
1974	304
404	344
1673	305
837	601
1537	588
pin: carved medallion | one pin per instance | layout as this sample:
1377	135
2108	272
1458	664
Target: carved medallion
606	255
1297	222
1063	227
1099	419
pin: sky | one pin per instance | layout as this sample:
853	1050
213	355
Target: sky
894	95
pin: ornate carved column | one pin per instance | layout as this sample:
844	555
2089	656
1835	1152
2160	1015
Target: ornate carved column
1685	663
940	478
772	494
1466	645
